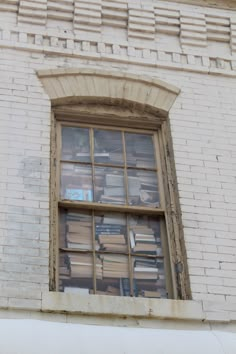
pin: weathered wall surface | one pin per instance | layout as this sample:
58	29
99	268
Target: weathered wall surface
189	46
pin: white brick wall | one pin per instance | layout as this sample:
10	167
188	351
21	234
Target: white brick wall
204	133
24	160
204	138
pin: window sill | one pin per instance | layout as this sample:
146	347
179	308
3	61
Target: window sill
100	305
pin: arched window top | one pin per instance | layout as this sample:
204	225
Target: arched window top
72	86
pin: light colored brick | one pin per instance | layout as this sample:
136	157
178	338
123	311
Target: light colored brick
202	122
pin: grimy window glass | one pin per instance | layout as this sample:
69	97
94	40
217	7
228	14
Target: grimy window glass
112	235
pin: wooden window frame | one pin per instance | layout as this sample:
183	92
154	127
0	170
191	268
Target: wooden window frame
176	278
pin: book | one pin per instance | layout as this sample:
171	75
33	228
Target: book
134	186
112	200
114	180
146	269
125	287
132	239
145	275
150	198
79	194
114	219
150	293
114	191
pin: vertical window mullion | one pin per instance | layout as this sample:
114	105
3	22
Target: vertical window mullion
91	135
125	168
130	258
94	254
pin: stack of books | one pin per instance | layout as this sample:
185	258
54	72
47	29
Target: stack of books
150	278
110	143
79	236
143	189
81	266
79	232
113	188
111	237
75	141
76	182
140	152
145	269
114	266
143	240
112	243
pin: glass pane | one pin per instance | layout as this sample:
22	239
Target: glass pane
115	269
76	230
144	235
140	150
76	273
111	232
76	182
143	188
149	277
109	185
75	144
108	147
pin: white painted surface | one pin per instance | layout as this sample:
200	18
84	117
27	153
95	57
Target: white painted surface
36	337
202	123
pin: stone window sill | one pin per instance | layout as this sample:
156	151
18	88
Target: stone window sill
100	305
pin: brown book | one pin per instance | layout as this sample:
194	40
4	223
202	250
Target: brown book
112	258
145	247
111	237
114	247
78	228
150	293
145	275
73	237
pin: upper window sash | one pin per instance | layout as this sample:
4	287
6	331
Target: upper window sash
105	166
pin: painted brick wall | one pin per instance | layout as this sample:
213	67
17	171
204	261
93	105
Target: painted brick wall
204	134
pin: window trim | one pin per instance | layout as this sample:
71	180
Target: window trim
176	285
153	99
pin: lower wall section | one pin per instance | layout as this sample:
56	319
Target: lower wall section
35	336
112	309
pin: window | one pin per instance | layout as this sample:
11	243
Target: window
111	212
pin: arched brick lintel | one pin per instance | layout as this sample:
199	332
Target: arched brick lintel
71	86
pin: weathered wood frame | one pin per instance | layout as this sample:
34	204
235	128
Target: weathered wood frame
172	245
120	99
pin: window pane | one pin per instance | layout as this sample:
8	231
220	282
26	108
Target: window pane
111	232
108	147
149	277
76	182
76	230
109	185
76	272
115	268
143	188
75	144
140	150
144	235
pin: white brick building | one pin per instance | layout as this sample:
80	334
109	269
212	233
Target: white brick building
141	64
